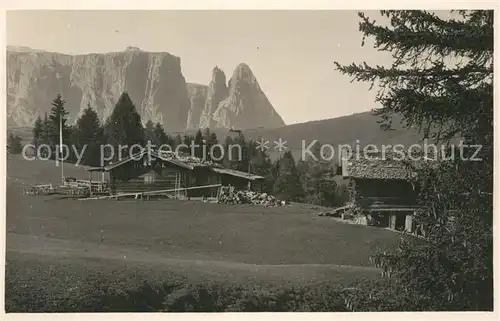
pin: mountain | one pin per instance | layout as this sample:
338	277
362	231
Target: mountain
157	86
154	81
242	104
246	105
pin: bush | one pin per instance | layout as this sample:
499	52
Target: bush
14	144
174	296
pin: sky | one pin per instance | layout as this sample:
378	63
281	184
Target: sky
291	53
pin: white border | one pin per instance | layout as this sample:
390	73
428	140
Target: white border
242	5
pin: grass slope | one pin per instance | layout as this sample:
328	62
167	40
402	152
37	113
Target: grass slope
50	238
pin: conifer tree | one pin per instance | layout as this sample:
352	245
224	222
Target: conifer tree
261	164
316	177
149	132
211	140
199	142
37	132
287	185
58	115
44	135
230	154
242	155
441	81
87	137
160	137
176	141
124	127
14	145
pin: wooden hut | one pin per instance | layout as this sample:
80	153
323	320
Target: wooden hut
382	186
149	171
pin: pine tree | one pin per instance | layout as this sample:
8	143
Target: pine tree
160	137
14	145
57	116
149	132
230	154
210	141
176	141
453	268
124	127
316	178
87	136
275	170
242	156
44	136
287	185
37	132
186	140
45	129
261	164
199	142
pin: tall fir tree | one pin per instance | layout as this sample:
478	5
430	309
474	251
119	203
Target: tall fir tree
316	178
213	147
124	127
210	141
186	144
14	145
230	153
37	132
441	81
177	140
199	142
149	132
261	164
243	154
57	117
287	185
160	137
44	136
87	137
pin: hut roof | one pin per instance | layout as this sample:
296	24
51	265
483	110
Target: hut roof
187	162
236	173
386	166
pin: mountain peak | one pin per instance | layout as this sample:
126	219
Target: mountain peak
246	105
132	48
243	67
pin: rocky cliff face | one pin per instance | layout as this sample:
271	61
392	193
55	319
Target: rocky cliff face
246	105
197	97
154	82
217	92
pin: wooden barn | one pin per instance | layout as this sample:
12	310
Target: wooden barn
147	171
382	187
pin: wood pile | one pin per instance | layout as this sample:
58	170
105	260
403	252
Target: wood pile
228	195
343	211
39	190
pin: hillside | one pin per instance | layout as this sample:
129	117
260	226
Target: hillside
362	127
